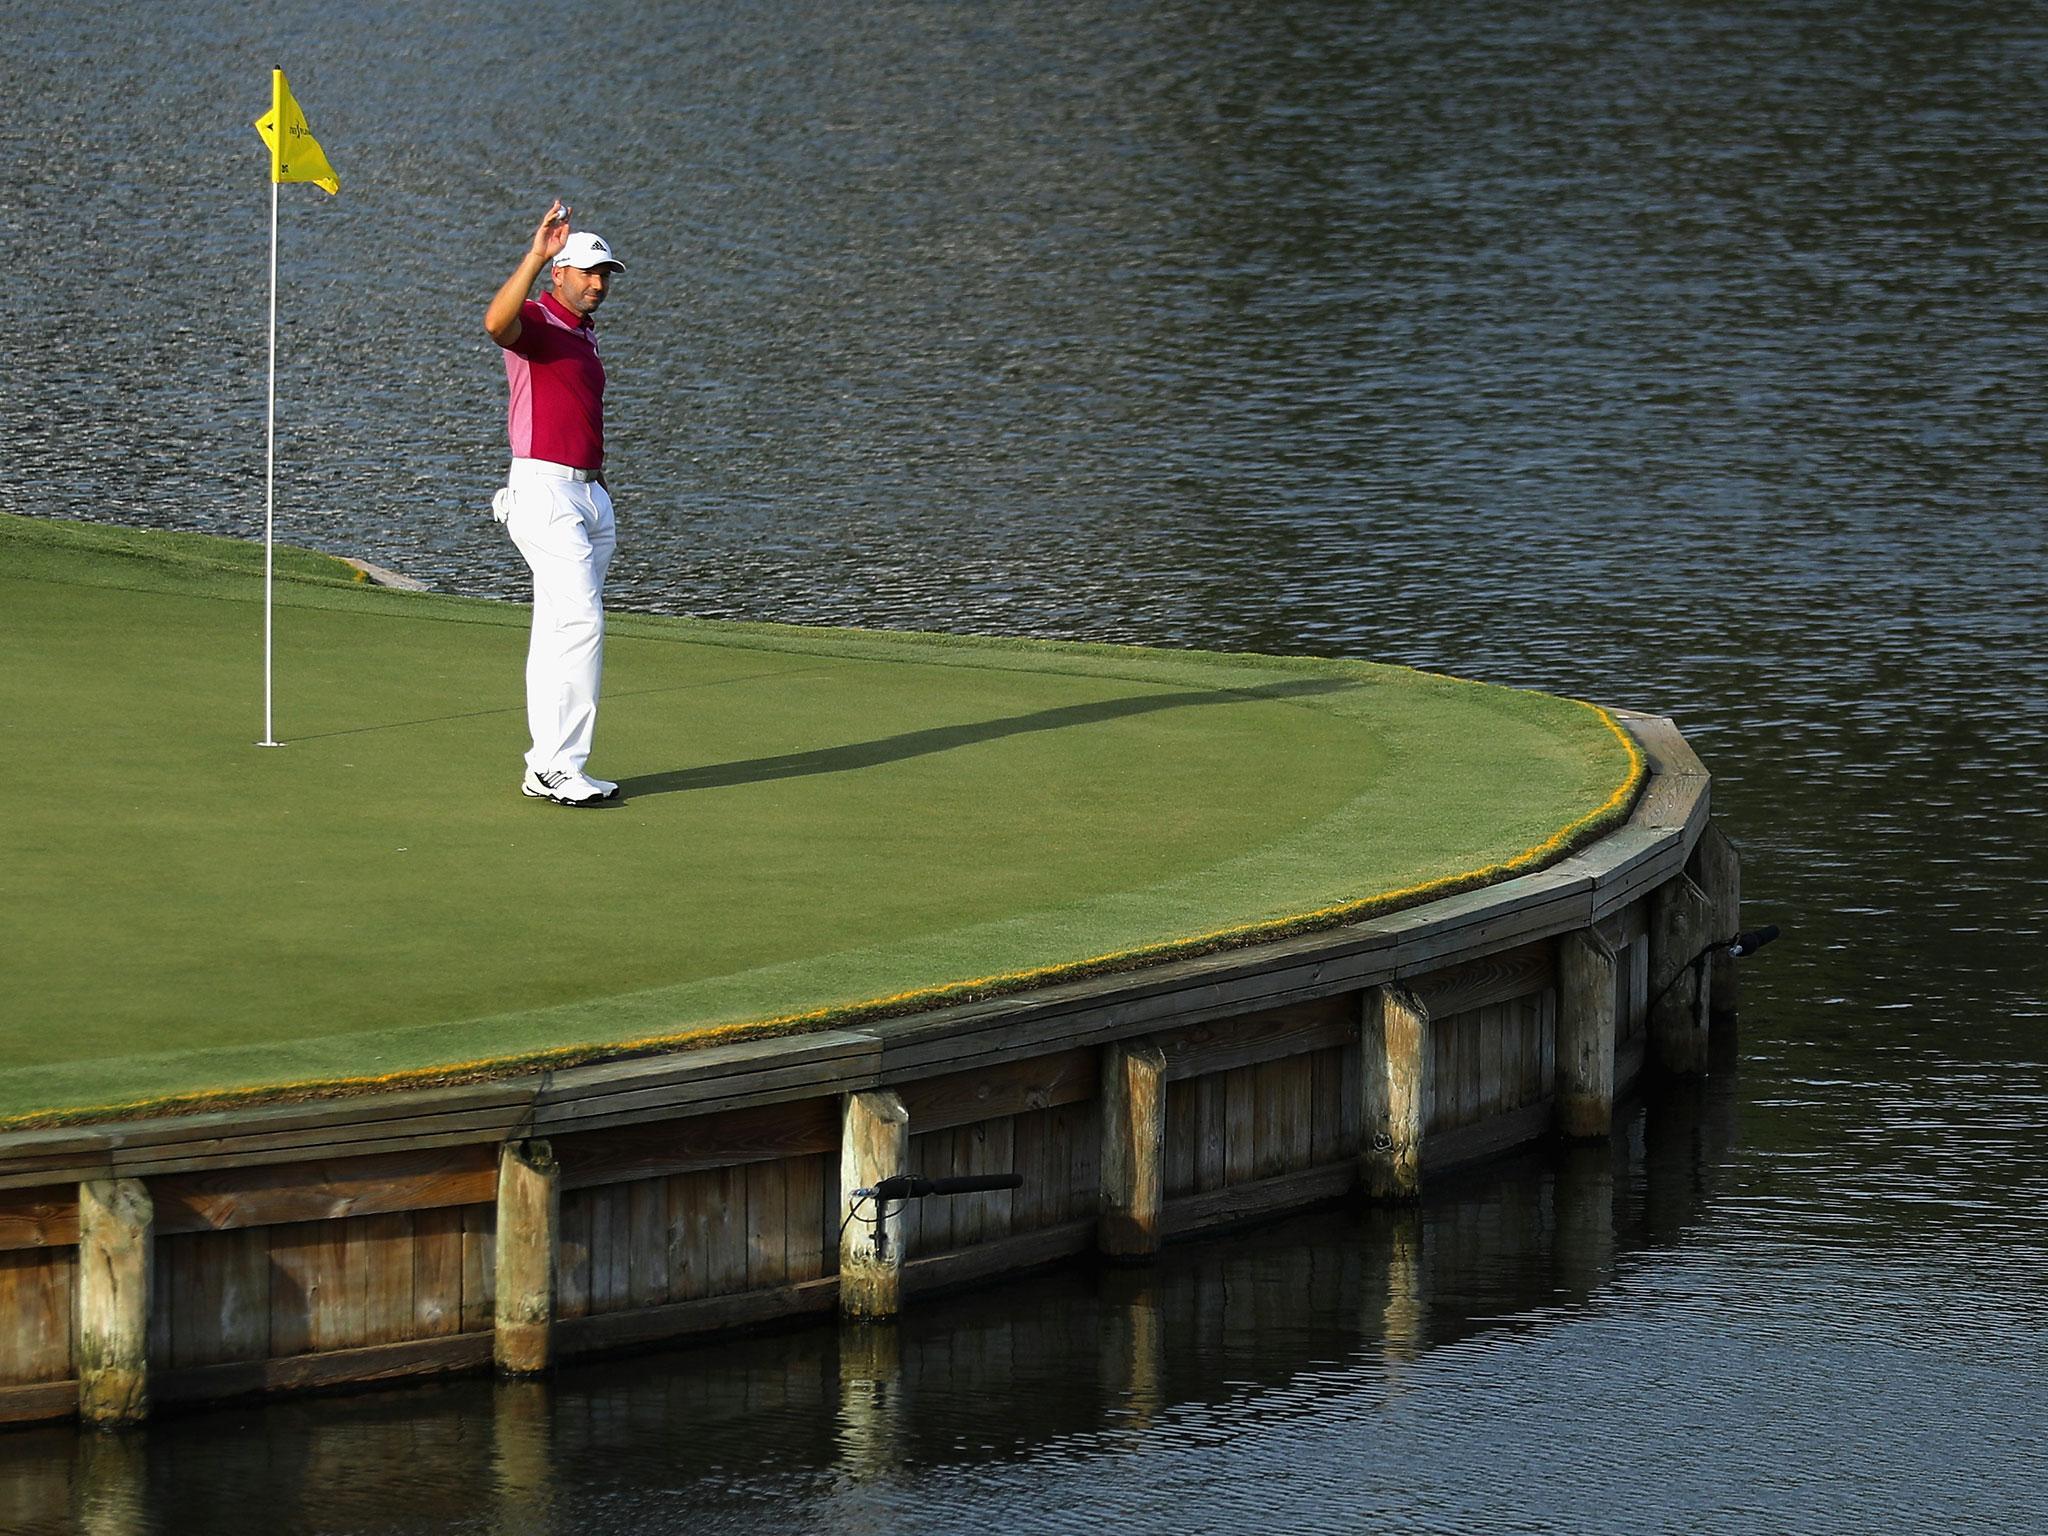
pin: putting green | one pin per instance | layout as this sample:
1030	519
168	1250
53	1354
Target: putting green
817	826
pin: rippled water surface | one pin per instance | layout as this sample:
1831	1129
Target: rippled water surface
1682	356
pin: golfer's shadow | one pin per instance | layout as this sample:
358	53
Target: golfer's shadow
944	738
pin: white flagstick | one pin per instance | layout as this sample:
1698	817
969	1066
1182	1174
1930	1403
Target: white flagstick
270	474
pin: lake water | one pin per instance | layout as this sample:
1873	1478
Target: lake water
1682	356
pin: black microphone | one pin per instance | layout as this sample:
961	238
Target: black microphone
912	1186
1744	944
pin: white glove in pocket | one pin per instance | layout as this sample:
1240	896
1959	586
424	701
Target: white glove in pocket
501	504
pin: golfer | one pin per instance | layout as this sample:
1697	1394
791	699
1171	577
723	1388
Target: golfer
555	504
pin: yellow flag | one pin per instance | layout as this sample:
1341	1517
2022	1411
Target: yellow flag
295	155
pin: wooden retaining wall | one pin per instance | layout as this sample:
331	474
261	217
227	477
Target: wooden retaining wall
359	1240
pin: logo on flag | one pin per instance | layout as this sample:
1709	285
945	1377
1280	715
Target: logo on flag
295	155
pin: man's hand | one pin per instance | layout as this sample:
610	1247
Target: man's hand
553	233
501	318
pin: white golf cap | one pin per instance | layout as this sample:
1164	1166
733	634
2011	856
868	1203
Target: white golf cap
586	250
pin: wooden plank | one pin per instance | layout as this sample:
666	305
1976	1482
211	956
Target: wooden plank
1268	1118
1084	1131
1326	1109
1629	1057
479	1266
725	1238
689	1197
967	1144
1665	750
999	1205
1253	1038
611	1247
573	1255
1011	1088
38	1402
1241	1126
387	1244
1259	1200
725	1140
295	1275
36	1316
342	1321
437	1266
1351	1089
713	1314
407	1181
767	1225
1482	983
345	1367
243	1264
1212	1131
1005	1256
1182	1134
1035	1199
929	1223
647	1260
1487	1138
40	1217
806	1237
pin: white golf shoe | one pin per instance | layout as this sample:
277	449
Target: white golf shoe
566	788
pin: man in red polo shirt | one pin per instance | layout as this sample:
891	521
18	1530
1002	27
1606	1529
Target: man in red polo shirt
555	503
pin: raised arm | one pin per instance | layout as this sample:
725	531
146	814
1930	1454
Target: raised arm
501	317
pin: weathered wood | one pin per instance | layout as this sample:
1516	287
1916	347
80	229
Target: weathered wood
529	1218
1681	924
1395	1092
1720	877
807	1215
36	1294
437	1272
624	1330
45	1217
479	1266
952	1099
1250	1039
1326	1105
767	1225
726	1232
212	1297
1181	1137
1587	983
1212	1132
1240	1125
116	1246
874	1145
1474	984
405	1181
1258	1201
1487	1138
1133	1145
724	1140
1005	1256
331	1368
38	1402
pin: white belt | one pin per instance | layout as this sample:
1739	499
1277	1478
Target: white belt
558	471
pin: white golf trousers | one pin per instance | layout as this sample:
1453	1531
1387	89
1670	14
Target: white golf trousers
564	529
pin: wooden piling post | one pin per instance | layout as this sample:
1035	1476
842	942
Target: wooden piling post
874	1144
1586	981
1394	1036
1133	1149
116	1238
1720	877
529	1218
1681	924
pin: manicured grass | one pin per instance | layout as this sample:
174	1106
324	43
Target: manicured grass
818	826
